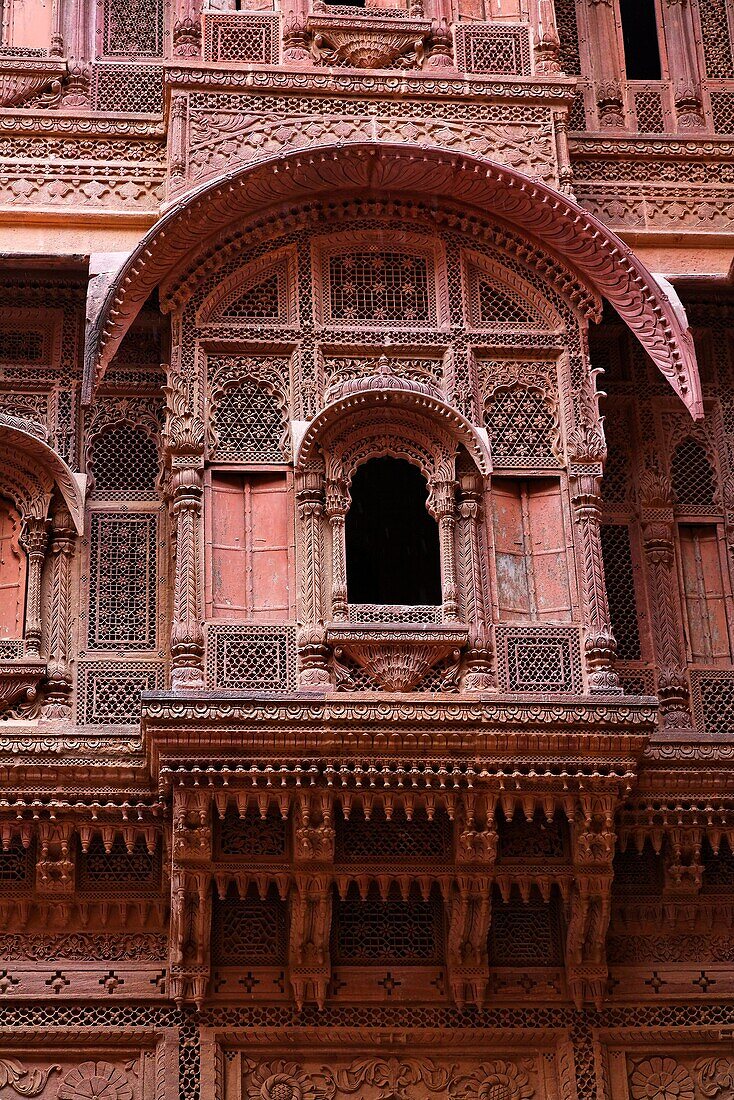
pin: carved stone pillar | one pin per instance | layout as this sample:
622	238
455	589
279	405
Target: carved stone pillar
57	37
187	28
187	636
546	41
590	903
191	883
442	506
63	540
605	61
185	450
312	649
680	38
478	656
657	537
600	645
337	505
35	541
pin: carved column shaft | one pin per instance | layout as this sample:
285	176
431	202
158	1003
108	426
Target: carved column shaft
337	505
479	676
605	61
187	637
680	38
600	644
442	506
35	541
312	648
672	683
63	543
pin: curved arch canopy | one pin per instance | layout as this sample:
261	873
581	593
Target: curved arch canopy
556	222
15	439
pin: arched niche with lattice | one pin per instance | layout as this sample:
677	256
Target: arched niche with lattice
693	476
262	292
497	298
379	278
247	411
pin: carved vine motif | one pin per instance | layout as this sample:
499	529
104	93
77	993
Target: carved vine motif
391	1078
22	1081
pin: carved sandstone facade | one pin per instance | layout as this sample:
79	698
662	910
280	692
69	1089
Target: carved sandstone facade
366	543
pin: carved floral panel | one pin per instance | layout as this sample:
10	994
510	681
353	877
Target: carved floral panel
666	1067
86	1063
370	1065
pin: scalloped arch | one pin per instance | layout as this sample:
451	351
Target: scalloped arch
563	227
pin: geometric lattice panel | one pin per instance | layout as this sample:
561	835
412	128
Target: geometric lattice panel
521	428
539	659
712	695
692	477
493	49
251	836
249	932
127	88
252	658
243	37
536	839
109	691
387	933
118	869
379	286
526	934
248	425
122	581
125	464
132	28
618	571
359	840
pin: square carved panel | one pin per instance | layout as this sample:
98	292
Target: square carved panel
377	1064
654	1064
80	1063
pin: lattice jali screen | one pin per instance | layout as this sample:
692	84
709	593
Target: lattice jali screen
722	109
251	836
248	425
491	48
11	649
21	346
125	464
109	691
131	28
618	571
362	841
497	306
536	839
636	679
122	581
716	39
248	36
692	477
649	110
248	931
118	870
523	430
539	659
395	613
127	88
16	865
251	658
387	933
526	934
712	696
568	34
378	285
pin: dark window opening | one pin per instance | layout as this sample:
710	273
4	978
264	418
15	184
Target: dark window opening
640	35
391	540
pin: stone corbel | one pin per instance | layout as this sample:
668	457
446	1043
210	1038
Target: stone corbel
589	907
469	921
310	926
